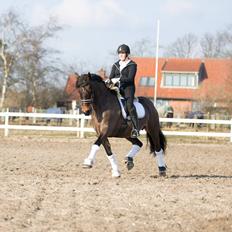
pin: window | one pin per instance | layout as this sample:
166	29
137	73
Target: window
168	80
191	80
176	80
188	80
147	81
151	81
143	81
183	80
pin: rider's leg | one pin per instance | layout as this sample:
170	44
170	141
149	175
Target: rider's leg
129	96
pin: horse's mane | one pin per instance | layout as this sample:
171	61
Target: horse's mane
95	77
82	80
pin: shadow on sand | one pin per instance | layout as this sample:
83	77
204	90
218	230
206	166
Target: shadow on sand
201	176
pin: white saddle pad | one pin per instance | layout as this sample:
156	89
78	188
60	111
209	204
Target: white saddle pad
139	109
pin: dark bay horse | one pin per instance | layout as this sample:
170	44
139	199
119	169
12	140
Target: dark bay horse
103	105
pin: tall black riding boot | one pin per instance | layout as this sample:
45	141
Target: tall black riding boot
135	123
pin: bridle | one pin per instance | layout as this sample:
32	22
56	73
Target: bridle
88	100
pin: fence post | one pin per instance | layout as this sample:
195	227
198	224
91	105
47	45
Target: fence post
20	118
34	118
231	130
78	122
82	125
6	131
3	117
70	119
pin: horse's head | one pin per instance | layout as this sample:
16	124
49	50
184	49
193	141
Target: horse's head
86	93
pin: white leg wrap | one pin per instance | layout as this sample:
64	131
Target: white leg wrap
113	162
114	165
160	158
93	152
134	150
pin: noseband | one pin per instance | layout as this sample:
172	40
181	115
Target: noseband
90	100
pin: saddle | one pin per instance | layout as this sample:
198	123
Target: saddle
122	102
138	106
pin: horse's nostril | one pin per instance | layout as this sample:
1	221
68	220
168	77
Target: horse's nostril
87	113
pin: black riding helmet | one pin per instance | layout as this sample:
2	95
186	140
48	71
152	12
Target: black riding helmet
123	49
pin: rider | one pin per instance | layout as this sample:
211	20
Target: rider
122	75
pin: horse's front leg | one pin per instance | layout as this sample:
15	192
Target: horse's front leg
90	160
112	158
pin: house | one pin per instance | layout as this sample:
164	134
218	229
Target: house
182	83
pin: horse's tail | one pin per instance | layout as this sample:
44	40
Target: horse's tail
163	142
152	145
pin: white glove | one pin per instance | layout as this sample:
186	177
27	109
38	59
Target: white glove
115	80
107	81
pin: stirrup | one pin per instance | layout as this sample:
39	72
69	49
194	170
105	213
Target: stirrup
134	133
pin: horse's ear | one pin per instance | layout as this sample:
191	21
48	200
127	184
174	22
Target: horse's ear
89	74
77	83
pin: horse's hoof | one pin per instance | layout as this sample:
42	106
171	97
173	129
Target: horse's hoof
86	166
116	174
129	163
87	163
162	171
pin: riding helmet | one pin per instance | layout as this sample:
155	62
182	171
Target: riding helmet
123	49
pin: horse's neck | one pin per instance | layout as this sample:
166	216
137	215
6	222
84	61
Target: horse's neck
102	97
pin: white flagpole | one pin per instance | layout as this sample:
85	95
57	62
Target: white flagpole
156	63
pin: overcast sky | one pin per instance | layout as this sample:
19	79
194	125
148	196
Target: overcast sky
94	28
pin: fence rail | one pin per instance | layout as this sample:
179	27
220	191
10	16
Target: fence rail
82	129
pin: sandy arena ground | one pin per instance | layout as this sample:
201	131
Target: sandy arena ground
44	188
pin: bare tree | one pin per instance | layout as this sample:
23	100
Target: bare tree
11	40
185	47
77	67
39	64
143	47
218	44
213	45
228	39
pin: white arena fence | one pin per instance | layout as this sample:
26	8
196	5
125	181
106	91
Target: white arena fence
81	129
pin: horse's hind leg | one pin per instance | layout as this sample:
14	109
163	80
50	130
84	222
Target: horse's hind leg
156	139
112	158
136	146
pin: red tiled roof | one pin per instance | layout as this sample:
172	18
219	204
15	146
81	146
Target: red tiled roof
182	65
217	71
